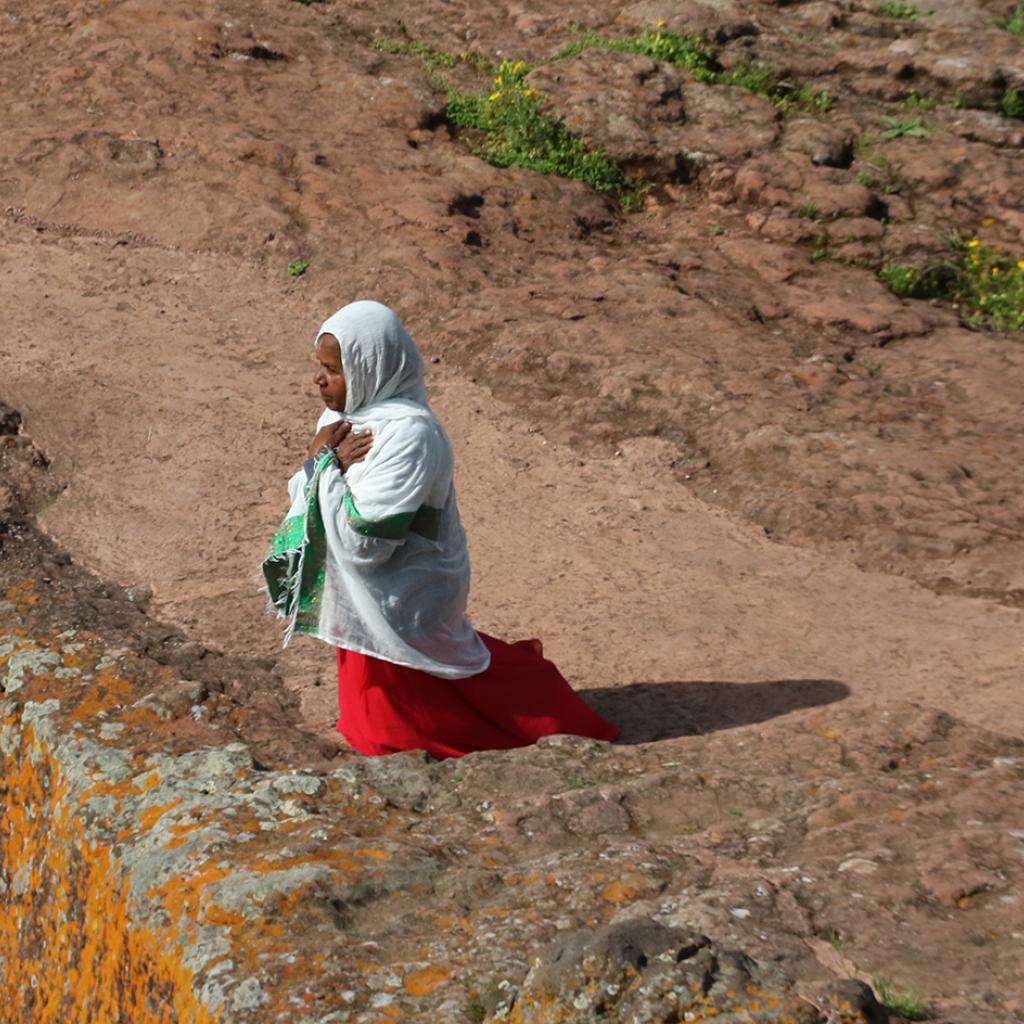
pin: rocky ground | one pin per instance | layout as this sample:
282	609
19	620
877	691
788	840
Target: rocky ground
704	452
738	315
821	852
570	881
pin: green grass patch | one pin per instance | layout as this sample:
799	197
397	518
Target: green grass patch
1012	104
984	283
808	211
1015	22
895	9
680	49
687	51
877	172
576	782
517	133
514	130
298	267
915	102
763	81
911	127
432	56
906	1003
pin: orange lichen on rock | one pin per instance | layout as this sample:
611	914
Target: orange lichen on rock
181	896
423	982
67	939
110	690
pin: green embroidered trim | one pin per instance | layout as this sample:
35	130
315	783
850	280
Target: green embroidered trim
314	555
426	521
288	536
295	568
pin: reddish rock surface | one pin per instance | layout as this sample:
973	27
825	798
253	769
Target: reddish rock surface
245	128
728	476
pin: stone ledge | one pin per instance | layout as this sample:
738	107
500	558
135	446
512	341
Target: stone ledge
154	869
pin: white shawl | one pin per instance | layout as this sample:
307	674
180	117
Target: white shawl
375	560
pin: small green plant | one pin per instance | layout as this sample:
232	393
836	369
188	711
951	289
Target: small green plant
298	267
896	9
1012	104
879	172
474	1009
912	127
688	52
837	940
808	211
818	254
906	1003
752	77
517	133
990	286
984	283
682	50
481	999
809	99
431	56
763	81
576	782
901	280
915	102
1015	22
715	230
936	281
513	129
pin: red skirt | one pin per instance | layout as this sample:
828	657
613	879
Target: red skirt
385	708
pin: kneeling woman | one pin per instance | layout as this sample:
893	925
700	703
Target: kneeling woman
372	558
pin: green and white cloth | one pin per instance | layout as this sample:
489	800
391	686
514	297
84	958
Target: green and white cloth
375	560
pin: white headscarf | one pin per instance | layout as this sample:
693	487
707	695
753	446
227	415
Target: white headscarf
384	543
379	359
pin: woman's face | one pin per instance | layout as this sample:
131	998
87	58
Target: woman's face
329	376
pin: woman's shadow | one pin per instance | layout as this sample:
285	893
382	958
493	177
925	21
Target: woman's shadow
659	711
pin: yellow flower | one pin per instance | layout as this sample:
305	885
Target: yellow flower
529	92
494	96
974	243
661	23
1020	264
995	270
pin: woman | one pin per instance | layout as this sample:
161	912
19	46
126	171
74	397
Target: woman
372	558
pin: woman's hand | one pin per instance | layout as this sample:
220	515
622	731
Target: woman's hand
328	437
349	447
353	448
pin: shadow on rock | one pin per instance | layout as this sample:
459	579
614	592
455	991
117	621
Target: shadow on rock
659	711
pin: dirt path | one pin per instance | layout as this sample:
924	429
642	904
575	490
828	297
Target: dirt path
176	417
